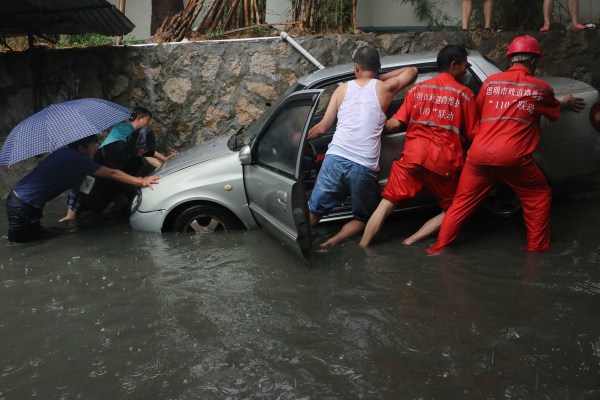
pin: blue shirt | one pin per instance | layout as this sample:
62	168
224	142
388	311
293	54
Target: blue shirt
61	170
119	132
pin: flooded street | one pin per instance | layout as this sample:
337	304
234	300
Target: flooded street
110	313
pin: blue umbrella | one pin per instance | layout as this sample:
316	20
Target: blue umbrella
58	125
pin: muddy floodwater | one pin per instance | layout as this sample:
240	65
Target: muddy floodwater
110	313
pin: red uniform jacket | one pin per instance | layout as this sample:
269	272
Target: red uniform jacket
510	104
437	111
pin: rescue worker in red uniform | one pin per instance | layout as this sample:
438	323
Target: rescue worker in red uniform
510	104
440	113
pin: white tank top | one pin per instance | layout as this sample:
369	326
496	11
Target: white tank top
360	123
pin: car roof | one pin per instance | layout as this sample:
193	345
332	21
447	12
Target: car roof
386	62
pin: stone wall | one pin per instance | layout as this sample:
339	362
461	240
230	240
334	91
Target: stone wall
200	90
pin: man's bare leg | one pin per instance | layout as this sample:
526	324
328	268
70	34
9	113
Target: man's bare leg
428	228
467	10
375	223
351	228
574	11
314	219
488	11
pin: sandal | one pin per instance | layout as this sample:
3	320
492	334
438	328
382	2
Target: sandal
545	28
579	27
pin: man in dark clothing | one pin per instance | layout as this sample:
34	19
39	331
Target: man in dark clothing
61	170
127	156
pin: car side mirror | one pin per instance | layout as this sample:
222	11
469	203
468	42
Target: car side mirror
245	155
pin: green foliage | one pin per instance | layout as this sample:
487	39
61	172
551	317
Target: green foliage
323	15
131	40
14	43
218	32
334	13
85	40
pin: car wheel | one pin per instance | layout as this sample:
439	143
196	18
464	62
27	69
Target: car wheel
205	219
501	201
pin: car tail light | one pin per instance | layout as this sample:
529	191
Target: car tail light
595	116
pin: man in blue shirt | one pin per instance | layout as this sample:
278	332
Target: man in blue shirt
61	170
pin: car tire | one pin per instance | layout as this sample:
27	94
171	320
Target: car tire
205	219
502	202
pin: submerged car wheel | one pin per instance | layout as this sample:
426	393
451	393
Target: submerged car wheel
204	219
501	201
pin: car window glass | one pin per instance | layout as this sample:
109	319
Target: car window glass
472	82
278	146
324	100
256	126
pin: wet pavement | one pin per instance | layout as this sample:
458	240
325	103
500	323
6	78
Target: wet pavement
110	313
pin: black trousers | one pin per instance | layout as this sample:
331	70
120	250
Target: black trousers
23	220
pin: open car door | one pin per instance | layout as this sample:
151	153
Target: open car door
274	171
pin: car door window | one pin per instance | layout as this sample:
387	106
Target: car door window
278	147
472	81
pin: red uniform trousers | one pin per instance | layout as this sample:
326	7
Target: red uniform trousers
406	180
524	178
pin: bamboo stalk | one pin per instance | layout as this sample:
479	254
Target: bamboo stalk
246	13
197	11
231	13
207	17
263	11
253	12
215	20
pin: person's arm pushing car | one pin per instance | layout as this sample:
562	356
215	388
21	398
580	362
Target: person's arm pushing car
120	176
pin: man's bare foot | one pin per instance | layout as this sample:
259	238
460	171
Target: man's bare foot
408	241
329	243
433	250
69	217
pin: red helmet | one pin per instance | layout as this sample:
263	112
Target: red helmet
524	44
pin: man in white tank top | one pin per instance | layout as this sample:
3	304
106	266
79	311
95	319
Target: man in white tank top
351	163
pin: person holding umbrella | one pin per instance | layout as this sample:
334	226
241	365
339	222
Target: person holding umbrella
60	171
76	125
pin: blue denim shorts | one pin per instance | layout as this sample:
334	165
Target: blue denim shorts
339	178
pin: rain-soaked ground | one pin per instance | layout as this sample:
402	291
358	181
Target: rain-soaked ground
110	313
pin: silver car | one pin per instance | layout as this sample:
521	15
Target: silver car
262	176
